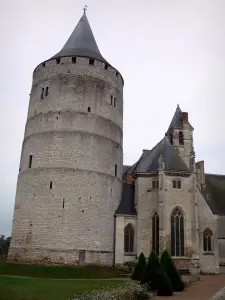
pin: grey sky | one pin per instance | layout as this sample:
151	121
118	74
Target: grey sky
168	51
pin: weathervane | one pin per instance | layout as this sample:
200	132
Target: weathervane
85	8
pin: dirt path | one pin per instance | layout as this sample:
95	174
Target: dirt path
208	286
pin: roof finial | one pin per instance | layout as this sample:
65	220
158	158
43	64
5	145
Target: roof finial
85	8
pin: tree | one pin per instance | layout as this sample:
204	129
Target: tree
156	277
4	245
172	272
139	270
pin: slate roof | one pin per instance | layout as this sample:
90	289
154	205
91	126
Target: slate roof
149	160
81	42
126	206
215	187
177	121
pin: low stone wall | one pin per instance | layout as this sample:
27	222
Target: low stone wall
219	295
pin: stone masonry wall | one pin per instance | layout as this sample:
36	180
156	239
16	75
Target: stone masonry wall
65	203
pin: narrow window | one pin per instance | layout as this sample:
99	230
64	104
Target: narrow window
177	233
117	73
181	138
106	67
171	139
111	99
155	184
207	240
178	184
43	65
115	102
155	233
115	170
46	91
174	184
42	93
91	61
74	60
50	185
30	161
129	239
58	61
89	109
63	205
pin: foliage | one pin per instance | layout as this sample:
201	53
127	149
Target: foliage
130	290
123	269
139	270
49	289
4	245
60	272
172	272
156	277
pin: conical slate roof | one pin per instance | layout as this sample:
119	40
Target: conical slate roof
150	160
81	42
177	121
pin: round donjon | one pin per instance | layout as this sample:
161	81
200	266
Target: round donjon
69	182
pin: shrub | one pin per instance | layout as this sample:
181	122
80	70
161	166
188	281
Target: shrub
123	269
130	290
156	277
139	270
172	272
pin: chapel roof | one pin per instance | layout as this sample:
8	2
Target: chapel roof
149	160
81	42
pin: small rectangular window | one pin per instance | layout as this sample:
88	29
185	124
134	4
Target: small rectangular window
117	74
46	91
106	67
91	61
50	185
115	102
30	161
89	109
74	60
111	99
42	93
174	184
43	65
116	170
155	184
63	205
178	184
58	61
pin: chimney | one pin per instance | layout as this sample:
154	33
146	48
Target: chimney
185	117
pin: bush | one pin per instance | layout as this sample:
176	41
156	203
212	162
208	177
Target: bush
156	277
130	290
172	272
139	270
123	269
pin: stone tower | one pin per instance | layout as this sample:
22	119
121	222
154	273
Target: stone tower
69	182
180	133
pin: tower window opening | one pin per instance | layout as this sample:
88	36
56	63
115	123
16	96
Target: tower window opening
114	101
91	61
50	185
116	170
106	67
74	60
117	73
58	61
46	91
42	93
63	205
89	109
181	138
111	99
30	161
43	65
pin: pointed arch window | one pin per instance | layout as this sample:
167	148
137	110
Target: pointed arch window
155	233
129	239
177	232
207	240
181	138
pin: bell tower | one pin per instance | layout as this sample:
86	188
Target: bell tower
180	134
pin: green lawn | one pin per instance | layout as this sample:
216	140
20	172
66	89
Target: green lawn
48	289
89	272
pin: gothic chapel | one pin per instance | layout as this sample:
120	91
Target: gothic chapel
76	203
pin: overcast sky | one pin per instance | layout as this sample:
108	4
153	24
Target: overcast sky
168	51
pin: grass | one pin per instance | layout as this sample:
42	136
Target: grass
89	272
48	289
